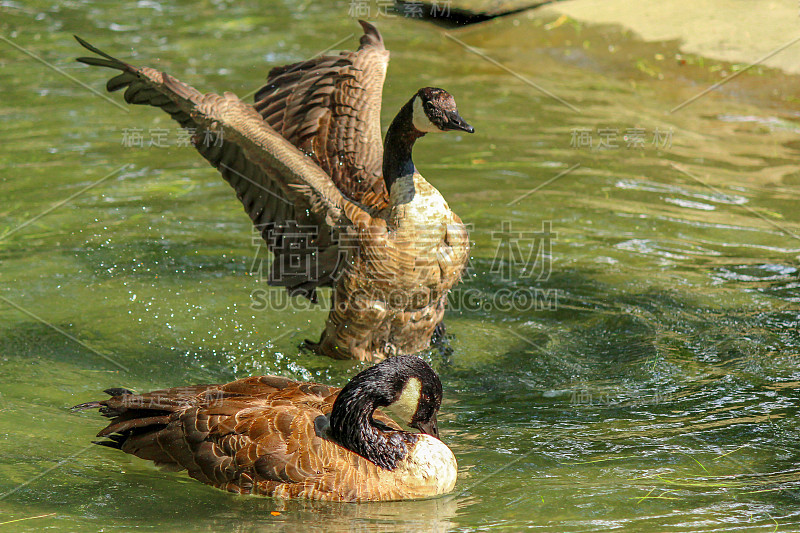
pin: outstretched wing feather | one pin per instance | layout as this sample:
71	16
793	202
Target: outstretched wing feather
329	107
277	185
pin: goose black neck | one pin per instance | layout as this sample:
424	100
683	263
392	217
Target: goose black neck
399	142
352	426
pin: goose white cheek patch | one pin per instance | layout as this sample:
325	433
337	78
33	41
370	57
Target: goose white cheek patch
406	404
421	120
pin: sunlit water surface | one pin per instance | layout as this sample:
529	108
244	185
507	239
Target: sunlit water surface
653	387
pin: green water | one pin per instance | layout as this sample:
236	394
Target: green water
654	388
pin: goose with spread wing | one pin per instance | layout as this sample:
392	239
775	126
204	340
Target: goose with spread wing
336	206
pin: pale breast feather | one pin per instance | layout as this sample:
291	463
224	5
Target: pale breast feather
430	466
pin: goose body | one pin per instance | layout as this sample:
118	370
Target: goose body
337	206
275	437
379	312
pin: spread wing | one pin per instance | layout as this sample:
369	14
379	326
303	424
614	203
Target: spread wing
330	108
290	199
254	435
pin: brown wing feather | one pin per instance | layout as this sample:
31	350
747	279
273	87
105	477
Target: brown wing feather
254	435
287	196
329	107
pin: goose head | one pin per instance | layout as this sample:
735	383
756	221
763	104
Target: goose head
430	110
435	110
407	386
416	395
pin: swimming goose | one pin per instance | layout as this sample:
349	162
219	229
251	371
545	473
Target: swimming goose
336	206
275	437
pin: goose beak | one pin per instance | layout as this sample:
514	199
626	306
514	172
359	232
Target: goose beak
430	427
456	122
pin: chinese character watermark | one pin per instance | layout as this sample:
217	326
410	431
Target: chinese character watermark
292	255
165	137
631	399
366	9
609	138
521	254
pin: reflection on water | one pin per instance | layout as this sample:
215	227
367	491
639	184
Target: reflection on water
658	391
